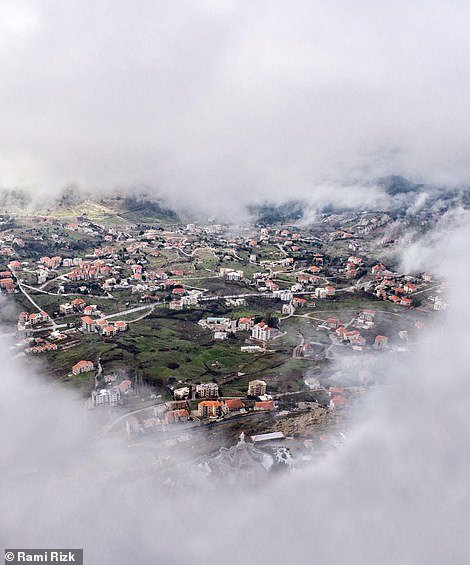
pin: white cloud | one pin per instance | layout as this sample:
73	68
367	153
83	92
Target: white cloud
255	99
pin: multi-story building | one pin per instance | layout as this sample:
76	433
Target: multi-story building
88	324
209	408
106	396
109	330
207	390
66	308
261	332
245	323
256	388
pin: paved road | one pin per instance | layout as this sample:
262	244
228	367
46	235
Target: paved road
149	307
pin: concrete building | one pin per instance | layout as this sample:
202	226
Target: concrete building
207	390
83	367
261	332
88	324
209	409
106	396
256	388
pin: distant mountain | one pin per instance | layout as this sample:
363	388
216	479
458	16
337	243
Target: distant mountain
14	199
396	184
140	208
269	213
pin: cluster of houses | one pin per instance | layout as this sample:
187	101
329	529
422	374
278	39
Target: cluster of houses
7	283
217	408
112	395
76	306
341	397
39	346
8	241
184	299
212	406
222	327
350	334
89	270
395	288
103	326
353	266
27	321
51	262
231	274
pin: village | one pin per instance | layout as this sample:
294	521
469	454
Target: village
186	325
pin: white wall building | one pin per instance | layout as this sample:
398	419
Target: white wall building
261	332
106	396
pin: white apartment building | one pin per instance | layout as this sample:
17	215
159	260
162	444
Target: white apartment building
106	396
261	332
207	390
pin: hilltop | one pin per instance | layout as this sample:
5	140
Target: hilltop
73	203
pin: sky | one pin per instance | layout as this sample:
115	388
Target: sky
396	492
214	105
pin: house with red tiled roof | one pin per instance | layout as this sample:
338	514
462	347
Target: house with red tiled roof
7	284
101	323
178	291
380	341
333	323
209	408
271	285
340	332
313	269
368	314
91	310
175	416
264	405
234	404
261	332
330	290
409	288
245	323
338	401
109	331
83	367
38	318
78	303
124	386
88	324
